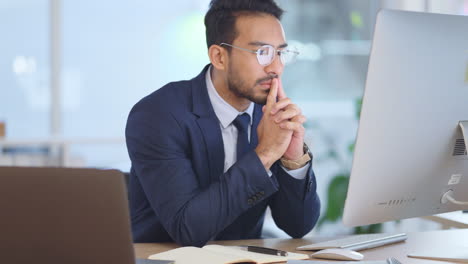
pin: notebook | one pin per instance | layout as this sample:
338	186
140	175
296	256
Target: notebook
217	254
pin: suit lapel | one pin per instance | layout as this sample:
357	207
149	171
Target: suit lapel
209	126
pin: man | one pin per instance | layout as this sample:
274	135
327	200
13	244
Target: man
210	154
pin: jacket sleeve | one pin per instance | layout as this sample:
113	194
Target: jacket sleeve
160	151
296	206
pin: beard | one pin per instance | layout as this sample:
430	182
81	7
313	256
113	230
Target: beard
239	87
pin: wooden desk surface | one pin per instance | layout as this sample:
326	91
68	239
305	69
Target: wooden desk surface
416	241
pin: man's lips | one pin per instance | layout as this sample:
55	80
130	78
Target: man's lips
266	83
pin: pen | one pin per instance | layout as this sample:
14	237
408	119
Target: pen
269	251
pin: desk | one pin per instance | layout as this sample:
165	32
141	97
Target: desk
58	146
416	241
456	219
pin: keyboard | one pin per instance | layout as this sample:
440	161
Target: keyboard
358	242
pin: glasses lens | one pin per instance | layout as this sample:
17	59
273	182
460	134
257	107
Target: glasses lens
265	55
288	56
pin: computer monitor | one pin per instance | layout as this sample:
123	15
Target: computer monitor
410	152
410	156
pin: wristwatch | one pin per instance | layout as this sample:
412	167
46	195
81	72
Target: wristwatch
299	163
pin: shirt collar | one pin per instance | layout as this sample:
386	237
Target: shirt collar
225	112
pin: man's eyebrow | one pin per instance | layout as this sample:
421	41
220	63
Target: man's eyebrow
259	43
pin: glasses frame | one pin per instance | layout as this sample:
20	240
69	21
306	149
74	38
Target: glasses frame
275	53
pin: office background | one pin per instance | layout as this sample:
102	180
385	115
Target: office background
71	70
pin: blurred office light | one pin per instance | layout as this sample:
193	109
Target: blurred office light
347	47
413	5
307	51
24	65
446	7
435	6
356	19
31	82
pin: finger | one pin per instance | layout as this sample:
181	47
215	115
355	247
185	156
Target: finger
299	119
272	95
294	126
263	109
288	114
285	105
280	105
281	93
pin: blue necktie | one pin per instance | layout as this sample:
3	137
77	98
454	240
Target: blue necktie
242	123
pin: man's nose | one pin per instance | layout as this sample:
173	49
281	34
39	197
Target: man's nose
276	66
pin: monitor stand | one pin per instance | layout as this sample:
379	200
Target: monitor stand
459	254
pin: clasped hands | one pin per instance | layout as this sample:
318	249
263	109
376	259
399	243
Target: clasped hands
281	131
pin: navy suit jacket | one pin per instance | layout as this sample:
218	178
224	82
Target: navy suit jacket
178	190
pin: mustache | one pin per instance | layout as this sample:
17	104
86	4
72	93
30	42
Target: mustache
268	78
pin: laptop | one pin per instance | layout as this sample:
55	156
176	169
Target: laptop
64	215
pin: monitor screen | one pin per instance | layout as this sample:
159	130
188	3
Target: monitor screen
411	148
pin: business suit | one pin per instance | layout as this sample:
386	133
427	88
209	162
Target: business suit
178	190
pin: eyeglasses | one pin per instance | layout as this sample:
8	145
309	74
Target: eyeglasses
266	54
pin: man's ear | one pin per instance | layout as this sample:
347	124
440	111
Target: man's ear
218	57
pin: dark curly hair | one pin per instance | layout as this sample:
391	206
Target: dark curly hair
220	19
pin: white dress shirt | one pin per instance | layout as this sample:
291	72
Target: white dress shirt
226	115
